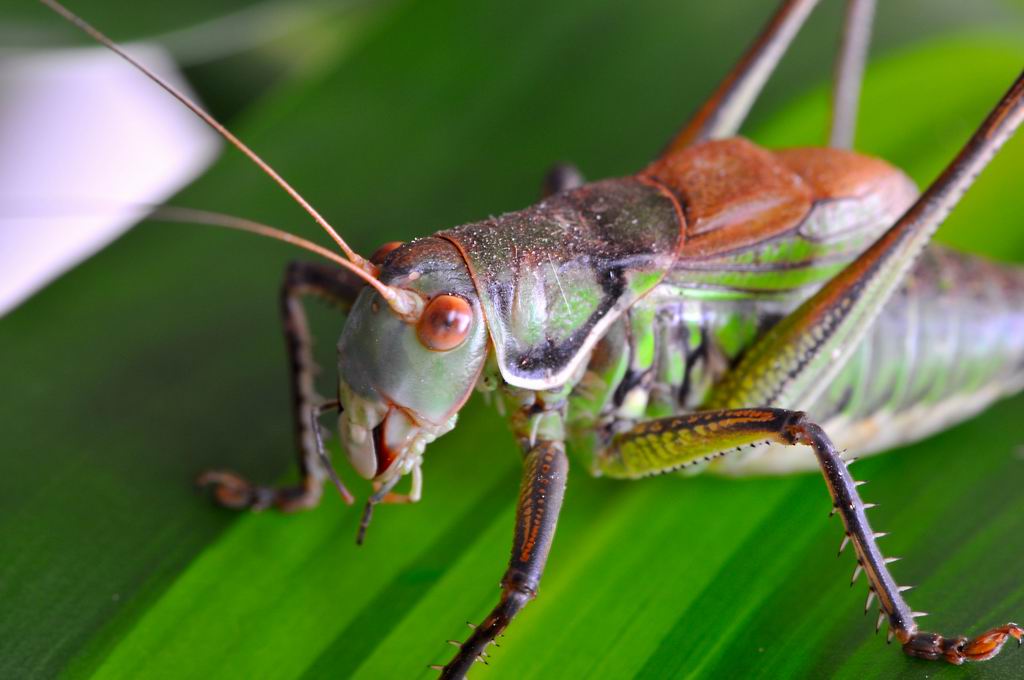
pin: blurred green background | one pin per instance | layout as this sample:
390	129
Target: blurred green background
162	356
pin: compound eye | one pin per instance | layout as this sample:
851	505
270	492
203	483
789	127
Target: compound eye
445	323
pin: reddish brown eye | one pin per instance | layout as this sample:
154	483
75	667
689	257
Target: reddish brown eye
445	323
381	253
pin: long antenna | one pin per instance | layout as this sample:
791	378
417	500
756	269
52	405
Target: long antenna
358	260
176	213
406	304
195	216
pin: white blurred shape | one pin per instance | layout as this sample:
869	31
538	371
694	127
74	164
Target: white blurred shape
85	141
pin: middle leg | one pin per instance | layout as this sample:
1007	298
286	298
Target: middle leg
545	468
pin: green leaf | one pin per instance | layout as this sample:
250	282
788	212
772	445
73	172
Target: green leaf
161	357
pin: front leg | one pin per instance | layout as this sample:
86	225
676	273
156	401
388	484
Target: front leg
545	468
338	287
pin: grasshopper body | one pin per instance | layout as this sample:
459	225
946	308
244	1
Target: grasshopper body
928	361
727	307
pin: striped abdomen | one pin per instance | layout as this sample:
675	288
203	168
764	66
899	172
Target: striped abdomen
949	343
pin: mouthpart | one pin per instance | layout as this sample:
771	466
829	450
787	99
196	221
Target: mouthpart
384	441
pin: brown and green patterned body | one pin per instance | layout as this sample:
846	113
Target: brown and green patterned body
744	310
950	342
801	311
729	307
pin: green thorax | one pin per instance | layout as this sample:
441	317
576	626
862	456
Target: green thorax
553	278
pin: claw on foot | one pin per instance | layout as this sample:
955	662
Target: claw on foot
232	491
959	649
235	492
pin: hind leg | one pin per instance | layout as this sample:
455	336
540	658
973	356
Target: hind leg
668	444
724	112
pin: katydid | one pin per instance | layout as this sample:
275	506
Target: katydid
597	318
